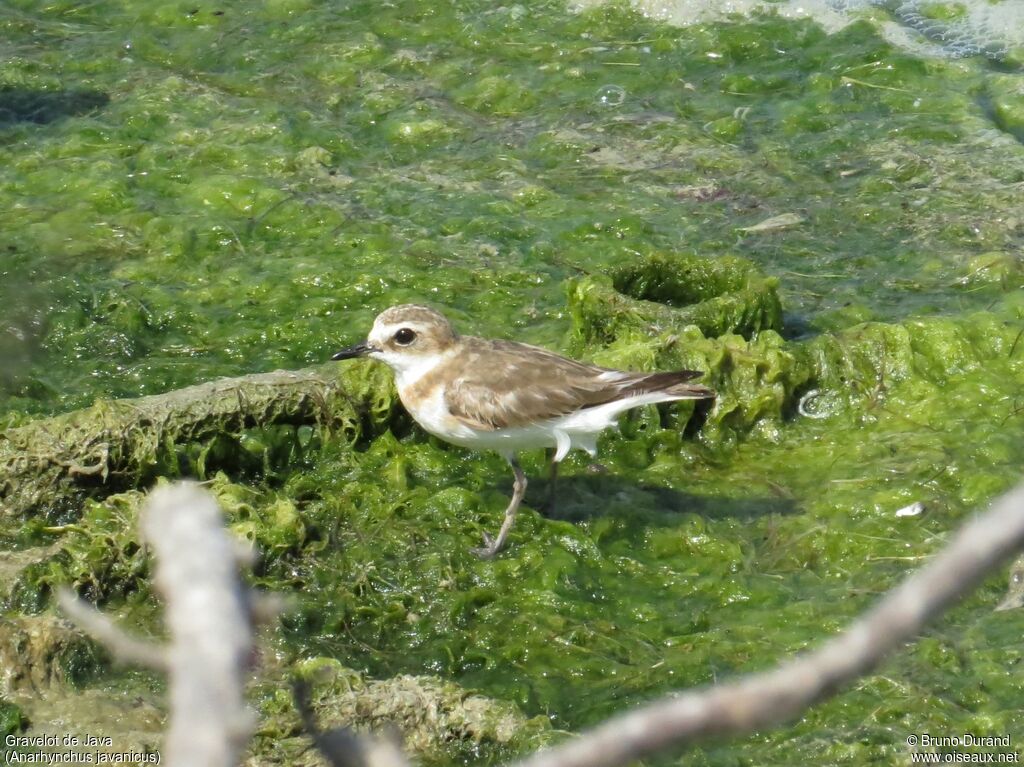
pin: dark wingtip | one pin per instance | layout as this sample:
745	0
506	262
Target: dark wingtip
675	382
670	378
697	391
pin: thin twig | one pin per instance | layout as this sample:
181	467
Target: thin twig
124	648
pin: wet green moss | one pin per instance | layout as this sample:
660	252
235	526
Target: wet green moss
252	425
666	291
99	556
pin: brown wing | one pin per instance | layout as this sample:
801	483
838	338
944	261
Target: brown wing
504	384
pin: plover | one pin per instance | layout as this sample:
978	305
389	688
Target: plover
506	396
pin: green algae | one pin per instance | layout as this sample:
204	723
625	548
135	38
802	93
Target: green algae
99	556
102	558
439	720
1007	103
207	194
745	538
761	380
673	291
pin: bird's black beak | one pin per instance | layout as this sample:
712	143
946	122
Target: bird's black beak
359	350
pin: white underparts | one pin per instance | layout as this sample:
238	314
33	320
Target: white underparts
576	431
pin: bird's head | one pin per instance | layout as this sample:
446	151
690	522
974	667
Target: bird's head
405	337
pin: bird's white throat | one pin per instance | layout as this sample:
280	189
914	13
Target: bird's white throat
410	368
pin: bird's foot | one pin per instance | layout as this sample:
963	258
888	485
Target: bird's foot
488	550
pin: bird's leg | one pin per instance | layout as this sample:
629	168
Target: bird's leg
493	545
549	502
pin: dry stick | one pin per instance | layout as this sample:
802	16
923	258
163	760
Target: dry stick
208	617
210	624
772	697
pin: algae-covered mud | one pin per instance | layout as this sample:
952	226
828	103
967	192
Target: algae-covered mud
830	226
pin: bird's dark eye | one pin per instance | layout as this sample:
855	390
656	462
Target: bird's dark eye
405	336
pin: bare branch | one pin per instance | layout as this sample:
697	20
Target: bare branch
772	697
208	617
124	648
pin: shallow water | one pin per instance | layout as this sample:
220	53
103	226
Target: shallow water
195	191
